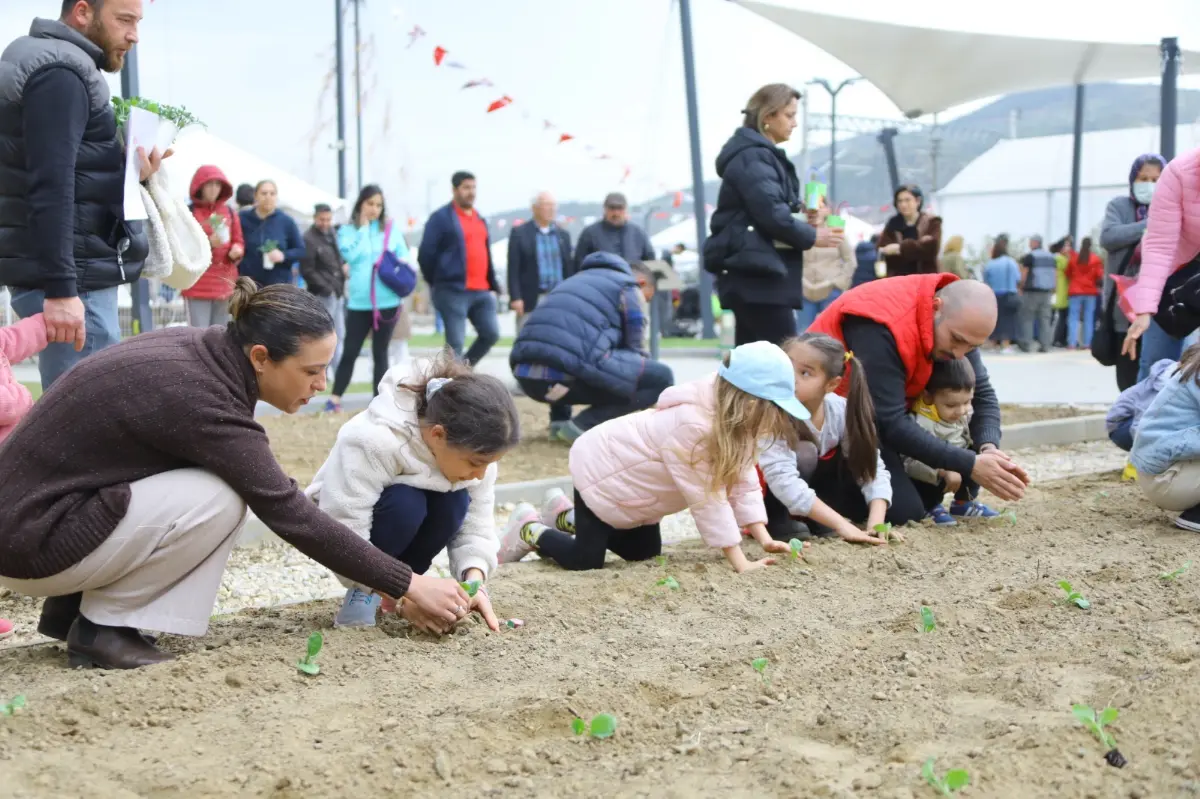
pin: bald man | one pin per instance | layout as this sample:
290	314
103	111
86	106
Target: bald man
539	257
897	328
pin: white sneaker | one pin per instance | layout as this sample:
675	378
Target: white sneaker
512	546
554	505
358	609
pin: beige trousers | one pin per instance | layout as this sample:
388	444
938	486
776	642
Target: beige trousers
161	567
1178	488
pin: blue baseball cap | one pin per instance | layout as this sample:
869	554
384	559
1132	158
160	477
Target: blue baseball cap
763	370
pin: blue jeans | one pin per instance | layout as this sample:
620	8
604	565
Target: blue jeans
101	320
1122	435
413	525
1087	304
1156	345
808	312
456	306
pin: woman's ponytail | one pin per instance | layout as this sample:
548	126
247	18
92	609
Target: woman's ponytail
862	440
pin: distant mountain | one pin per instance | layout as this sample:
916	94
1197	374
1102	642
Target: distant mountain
862	170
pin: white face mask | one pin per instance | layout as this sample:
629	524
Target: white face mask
1143	192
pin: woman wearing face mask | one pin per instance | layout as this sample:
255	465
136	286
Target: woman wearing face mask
1121	235
758	237
912	239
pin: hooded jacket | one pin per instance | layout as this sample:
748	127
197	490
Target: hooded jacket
636	469
382	447
756	242
579	328
217	281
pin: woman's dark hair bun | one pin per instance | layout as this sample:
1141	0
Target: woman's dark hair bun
244	290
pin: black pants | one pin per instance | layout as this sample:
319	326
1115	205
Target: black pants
585	550
603	405
413	525
833	484
913	499
1060	327
1127	368
757	322
358	325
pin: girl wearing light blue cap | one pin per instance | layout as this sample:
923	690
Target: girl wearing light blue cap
694	450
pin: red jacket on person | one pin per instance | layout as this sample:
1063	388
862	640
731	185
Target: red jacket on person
904	305
1083	279
217	282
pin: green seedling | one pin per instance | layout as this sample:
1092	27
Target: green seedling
661	560
270	245
797	548
1072	596
216	220
1096	722
1177	573
11	707
179	115
602	725
668	582
954	780
760	665
472	588
309	664
928	622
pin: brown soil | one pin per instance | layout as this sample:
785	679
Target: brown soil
857	700
302	442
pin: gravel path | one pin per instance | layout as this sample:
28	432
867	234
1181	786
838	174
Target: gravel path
274	574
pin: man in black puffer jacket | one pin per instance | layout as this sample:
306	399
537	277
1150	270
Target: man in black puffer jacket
64	244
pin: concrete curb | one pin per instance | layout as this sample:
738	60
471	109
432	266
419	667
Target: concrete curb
1047	433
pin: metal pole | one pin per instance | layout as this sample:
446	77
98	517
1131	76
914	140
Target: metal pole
805	163
655	308
833	147
1076	163
358	92
1170	97
341	100
689	74
141	319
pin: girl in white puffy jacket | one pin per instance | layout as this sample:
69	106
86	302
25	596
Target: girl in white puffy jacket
415	474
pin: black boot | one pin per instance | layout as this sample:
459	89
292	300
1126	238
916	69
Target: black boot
96	645
58	614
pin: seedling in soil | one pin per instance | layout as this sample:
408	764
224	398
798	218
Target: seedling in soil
884	530
797	548
760	665
270	245
1009	516
1096	722
668	582
1072	596
10	708
602	725
1177	573
309	664
954	780
472	588
928	622
661	560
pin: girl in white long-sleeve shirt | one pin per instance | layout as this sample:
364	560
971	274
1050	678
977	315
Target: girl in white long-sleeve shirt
834	478
415	474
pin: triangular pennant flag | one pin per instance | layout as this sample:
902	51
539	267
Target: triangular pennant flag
604	157
565	137
547	125
416	33
471	84
456	65
438	54
625	177
678	200
498	104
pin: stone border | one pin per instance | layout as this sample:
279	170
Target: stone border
1046	433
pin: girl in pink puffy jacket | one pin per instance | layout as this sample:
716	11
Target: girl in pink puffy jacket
17	342
694	450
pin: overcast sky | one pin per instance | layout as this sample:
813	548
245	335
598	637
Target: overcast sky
259	73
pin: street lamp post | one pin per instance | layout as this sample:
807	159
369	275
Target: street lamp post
833	95
340	61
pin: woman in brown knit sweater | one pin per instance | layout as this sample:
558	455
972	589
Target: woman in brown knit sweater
123	491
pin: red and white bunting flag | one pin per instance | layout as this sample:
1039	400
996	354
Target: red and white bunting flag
496	105
565	137
439	53
625	177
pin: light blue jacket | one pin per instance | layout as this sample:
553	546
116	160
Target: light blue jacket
361	248
1169	431
1134	401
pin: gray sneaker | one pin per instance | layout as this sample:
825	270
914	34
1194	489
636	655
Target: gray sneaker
566	432
358	609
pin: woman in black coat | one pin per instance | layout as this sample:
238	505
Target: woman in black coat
757	240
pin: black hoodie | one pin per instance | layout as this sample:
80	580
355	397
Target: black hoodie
759	194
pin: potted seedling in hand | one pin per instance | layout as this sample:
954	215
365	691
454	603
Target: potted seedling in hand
220	229
269	249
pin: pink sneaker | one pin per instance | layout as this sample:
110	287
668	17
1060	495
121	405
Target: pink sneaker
6	628
512	546
555	503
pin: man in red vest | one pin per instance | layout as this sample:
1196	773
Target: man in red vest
897	328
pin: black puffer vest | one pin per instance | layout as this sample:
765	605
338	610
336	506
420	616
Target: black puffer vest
108	251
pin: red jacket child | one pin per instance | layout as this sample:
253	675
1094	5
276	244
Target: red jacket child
217	282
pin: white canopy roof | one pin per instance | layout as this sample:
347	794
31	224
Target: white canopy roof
957	67
196	147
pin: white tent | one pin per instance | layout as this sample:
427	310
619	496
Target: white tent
956	67
196	147
1023	186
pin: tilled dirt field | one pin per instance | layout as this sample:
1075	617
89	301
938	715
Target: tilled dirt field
858	698
302	442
